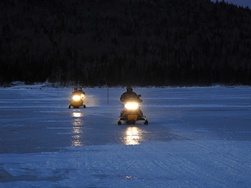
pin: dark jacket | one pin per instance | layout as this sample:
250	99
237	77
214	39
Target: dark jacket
129	95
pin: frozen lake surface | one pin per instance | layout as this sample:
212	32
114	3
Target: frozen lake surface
196	137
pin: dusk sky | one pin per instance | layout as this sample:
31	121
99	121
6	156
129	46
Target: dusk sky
243	3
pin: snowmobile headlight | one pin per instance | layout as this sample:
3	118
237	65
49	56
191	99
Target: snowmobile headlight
132	106
76	97
82	96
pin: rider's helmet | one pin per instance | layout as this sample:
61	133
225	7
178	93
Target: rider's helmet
129	89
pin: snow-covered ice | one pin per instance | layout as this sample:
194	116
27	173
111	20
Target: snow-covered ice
196	137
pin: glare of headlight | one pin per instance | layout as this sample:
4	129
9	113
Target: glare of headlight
76	97
132	106
82	96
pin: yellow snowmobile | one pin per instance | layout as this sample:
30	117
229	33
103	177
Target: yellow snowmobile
78	99
132	112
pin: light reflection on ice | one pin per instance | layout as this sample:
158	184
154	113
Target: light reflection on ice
132	136
77	114
77	128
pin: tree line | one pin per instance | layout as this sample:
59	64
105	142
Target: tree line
125	42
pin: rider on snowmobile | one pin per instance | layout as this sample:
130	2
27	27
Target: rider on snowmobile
78	90
130	94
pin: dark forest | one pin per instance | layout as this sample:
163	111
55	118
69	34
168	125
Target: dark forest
125	42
